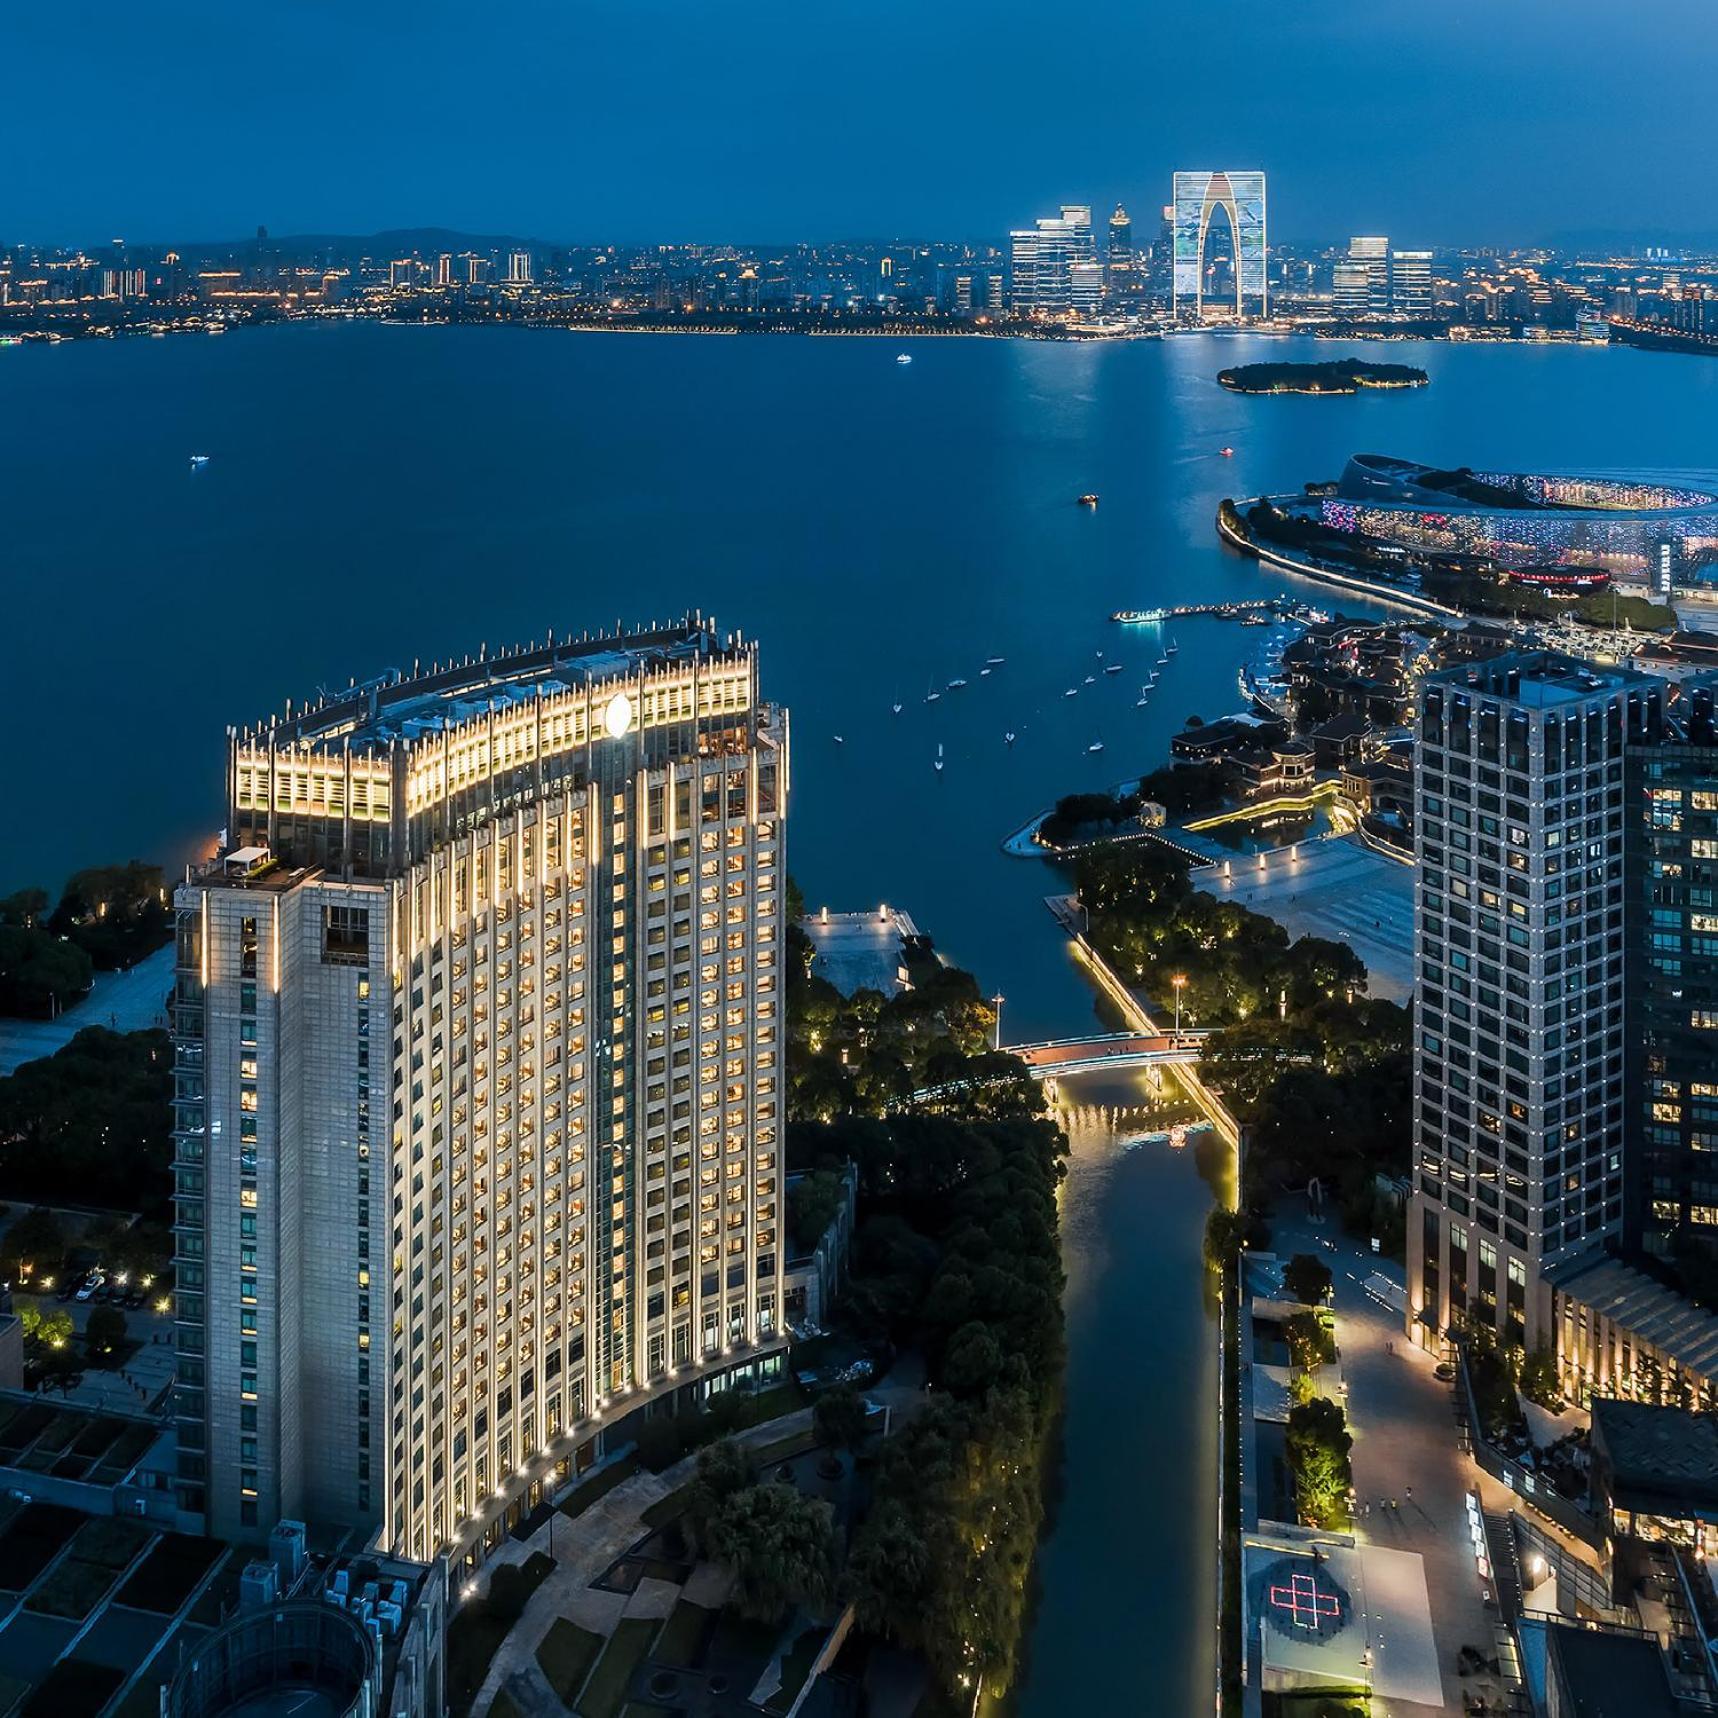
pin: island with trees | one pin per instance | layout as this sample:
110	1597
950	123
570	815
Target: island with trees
1333	376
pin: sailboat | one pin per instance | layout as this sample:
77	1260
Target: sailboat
1097	745
1170	648
1072	692
896	706
932	695
1008	738
1139	702
939	763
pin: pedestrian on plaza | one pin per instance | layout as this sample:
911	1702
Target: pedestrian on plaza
1408	1492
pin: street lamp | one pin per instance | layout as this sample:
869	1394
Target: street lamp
1180	983
996	1003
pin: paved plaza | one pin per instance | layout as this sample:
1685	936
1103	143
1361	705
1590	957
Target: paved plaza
859	951
125	1001
1337	888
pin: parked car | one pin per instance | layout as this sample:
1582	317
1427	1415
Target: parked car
91	1286
1444	1370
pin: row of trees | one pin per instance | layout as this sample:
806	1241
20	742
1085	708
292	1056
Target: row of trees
106	918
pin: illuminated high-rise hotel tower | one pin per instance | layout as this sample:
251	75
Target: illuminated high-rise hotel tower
479	1053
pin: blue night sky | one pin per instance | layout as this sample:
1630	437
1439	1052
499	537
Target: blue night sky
1473	120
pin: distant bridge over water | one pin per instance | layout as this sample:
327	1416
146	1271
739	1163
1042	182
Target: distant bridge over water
1055	1057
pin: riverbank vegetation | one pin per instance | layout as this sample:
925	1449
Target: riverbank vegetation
107	918
869	1054
92	1124
957	1259
1333	376
1320	1072
1479	595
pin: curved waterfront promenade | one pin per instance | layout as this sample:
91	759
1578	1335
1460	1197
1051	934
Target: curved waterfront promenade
1389	594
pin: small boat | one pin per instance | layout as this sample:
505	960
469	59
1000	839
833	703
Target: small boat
1072	692
903	357
838	739
896	707
1161	661
1089	499
955	684
198	461
1226	452
1095	746
984	674
1091	679
994	661
939	763
1170	648
1008	738
931	695
1113	668
1139	702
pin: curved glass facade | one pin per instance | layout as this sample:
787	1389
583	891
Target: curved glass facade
1618	523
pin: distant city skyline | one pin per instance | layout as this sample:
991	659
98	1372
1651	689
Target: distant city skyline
685	123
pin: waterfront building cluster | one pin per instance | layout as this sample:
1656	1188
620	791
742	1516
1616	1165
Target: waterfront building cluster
1206	256
479	1049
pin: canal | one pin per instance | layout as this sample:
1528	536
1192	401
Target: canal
1125	1619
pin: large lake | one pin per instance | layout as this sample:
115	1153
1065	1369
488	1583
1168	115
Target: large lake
377	494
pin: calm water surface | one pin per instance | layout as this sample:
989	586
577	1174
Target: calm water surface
380	494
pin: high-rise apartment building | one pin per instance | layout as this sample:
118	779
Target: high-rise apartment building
444	269
519	268
1045	257
479	1062
1671	864
1411	283
1521	820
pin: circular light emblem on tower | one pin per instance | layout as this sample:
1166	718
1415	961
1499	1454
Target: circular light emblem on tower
617	718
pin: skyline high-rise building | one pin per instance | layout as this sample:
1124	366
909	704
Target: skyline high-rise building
1411	283
1240	199
1045	257
1520	824
1363	288
479	1072
1121	254
1671	862
519	271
